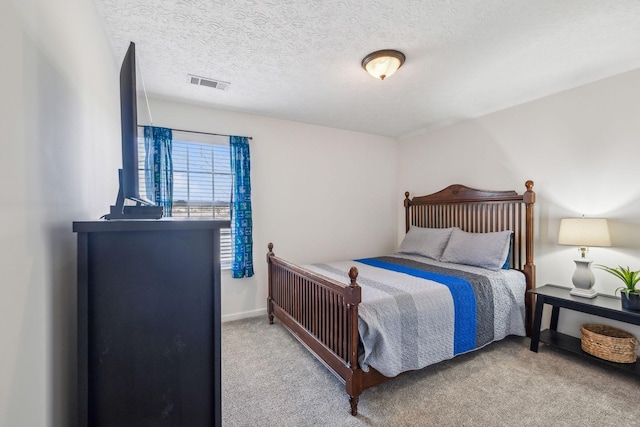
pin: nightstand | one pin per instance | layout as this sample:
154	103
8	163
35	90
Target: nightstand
558	297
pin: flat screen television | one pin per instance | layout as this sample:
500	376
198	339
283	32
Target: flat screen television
128	175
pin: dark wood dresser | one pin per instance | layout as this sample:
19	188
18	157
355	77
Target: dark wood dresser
149	322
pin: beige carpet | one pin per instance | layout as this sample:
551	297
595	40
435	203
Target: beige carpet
269	379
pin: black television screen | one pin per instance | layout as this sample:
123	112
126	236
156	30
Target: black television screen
129	121
128	175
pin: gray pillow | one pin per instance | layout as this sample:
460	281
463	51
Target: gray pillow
487	250
428	242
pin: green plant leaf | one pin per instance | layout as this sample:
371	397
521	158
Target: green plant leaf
629	277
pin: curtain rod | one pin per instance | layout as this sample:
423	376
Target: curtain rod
203	133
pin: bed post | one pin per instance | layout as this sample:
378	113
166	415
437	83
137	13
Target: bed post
269	272
406	211
529	199
353	383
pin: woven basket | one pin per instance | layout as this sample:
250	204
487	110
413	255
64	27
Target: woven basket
609	343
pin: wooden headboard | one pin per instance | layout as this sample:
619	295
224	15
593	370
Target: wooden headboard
479	211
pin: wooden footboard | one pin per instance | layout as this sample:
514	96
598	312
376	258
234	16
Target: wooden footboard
322	314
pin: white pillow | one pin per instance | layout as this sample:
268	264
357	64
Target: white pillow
428	242
487	250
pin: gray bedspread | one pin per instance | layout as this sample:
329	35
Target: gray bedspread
416	311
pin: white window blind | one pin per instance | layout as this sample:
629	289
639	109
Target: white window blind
202	180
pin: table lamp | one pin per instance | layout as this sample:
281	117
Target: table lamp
584	232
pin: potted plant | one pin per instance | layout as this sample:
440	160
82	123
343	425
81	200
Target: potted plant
629	292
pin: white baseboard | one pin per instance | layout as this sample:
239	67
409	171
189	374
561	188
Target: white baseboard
244	315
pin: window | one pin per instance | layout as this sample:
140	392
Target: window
202	180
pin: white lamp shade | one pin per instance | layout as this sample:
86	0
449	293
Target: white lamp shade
584	232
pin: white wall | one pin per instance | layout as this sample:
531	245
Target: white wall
318	193
581	148
60	149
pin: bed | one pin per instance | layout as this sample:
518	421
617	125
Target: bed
369	320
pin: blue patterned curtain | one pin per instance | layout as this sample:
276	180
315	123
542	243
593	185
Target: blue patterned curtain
241	221
158	170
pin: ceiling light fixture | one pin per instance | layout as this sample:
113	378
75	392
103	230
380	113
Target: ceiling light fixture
383	63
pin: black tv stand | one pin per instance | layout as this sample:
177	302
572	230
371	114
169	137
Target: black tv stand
137	211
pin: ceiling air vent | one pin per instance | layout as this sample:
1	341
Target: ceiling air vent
203	81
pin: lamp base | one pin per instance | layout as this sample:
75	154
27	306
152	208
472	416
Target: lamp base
585	293
583	279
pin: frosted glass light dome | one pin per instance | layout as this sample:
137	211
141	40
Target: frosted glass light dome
383	63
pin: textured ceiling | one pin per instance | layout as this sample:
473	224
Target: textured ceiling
300	59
